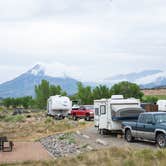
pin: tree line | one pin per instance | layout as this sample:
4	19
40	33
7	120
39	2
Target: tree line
25	102
44	91
85	94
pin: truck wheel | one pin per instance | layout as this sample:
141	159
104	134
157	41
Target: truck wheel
128	136
102	131
74	117
161	140
87	118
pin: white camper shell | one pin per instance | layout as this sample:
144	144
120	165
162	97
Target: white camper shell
161	105
59	106
109	113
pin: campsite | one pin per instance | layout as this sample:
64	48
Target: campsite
82	83
41	139
63	141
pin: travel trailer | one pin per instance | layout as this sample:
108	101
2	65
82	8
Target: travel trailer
109	113
58	106
161	105
75	104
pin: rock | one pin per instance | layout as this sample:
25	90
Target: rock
89	148
82	120
119	136
86	136
78	152
99	141
78	132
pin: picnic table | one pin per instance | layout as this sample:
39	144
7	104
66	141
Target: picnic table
5	145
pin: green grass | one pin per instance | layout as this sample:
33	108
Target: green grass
1	109
14	119
160	97
35	127
69	137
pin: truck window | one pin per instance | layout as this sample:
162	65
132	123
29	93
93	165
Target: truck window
160	118
142	119
102	109
96	111
148	118
145	118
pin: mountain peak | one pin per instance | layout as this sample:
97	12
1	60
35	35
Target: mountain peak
38	69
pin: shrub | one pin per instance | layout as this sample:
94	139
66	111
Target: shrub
150	99
16	118
48	120
67	136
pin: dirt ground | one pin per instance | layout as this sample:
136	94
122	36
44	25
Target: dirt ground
25	151
156	92
89	137
94	140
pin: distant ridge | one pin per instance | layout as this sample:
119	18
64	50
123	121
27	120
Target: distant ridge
146	79
24	84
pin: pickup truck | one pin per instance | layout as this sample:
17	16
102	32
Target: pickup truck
85	112
151	126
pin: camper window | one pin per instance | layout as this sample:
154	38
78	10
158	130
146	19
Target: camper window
96	111
102	109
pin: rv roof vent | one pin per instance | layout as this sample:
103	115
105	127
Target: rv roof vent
117	97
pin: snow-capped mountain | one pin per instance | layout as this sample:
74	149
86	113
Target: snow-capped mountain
24	84
37	70
146	79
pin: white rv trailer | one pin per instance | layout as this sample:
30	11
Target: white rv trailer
161	105
109	113
58	106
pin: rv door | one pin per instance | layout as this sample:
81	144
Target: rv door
103	116
96	116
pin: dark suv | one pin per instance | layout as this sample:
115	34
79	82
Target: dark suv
150	126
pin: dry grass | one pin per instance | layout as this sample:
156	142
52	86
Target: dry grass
106	157
161	93
36	127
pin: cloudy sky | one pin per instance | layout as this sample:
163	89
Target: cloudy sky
86	39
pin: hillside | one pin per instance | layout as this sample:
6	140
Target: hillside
24	84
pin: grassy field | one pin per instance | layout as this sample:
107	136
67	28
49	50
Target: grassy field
31	127
161	97
106	157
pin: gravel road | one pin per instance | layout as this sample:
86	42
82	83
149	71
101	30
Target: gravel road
88	139
91	137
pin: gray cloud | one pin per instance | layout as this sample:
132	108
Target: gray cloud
98	37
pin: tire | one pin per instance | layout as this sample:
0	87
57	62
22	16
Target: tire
87	117
74	117
161	140
128	136
102	132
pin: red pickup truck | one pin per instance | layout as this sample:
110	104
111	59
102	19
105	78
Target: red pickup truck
86	112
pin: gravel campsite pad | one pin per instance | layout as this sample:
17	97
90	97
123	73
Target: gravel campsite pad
61	145
89	139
